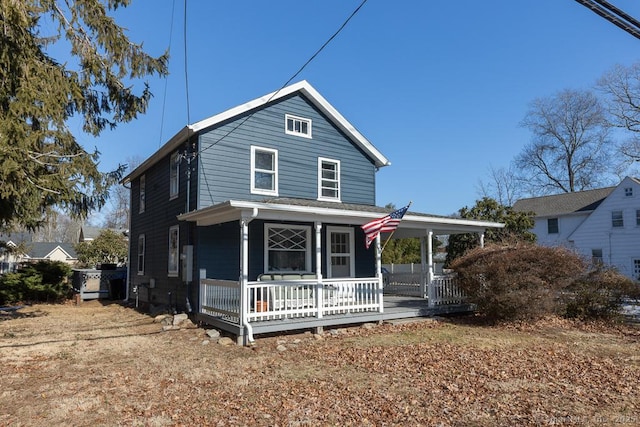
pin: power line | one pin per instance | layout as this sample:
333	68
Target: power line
614	15
186	74
344	24
166	79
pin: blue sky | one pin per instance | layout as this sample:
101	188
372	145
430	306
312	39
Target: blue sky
438	87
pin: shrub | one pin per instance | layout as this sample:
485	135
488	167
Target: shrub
598	294
518	281
45	281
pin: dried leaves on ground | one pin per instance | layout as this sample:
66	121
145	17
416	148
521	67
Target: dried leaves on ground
105	364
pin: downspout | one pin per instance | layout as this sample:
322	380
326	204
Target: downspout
244	269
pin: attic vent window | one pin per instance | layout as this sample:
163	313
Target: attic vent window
628	192
298	126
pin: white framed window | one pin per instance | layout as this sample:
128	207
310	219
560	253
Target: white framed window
617	219
552	226
264	171
299	126
638	217
636	268
340	252
174	256
328	179
141	249
287	248
143	190
174	175
628	191
596	256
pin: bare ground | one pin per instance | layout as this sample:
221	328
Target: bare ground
98	364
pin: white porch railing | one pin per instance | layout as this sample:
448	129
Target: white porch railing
284	299
220	298
445	291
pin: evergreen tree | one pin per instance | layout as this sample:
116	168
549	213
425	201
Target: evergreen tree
517	226
42	165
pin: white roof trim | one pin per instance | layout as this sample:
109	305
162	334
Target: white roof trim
234	210
304	87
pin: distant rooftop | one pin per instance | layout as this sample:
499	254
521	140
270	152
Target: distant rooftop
565	203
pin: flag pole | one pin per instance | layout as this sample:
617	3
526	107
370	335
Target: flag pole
392	233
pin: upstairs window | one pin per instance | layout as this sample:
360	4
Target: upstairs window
616	219
264	171
328	179
141	249
552	225
143	185
174	241
636	268
174	177
288	248
297	126
638	217
628	192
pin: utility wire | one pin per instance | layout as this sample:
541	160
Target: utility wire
186	74
614	15
166	79
344	24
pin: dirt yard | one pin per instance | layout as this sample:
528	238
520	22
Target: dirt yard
95	365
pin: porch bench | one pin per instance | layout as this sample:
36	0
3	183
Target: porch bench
283	297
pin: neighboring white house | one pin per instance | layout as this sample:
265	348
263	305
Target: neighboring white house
33	251
603	224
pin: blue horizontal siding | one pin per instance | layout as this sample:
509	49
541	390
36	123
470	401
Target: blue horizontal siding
224	167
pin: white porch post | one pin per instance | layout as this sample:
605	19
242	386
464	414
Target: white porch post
244	277
319	295
430	290
481	239
379	273
424	274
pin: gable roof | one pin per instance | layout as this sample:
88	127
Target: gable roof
302	87
42	250
565	203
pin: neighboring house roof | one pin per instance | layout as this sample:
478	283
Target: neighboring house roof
16	238
43	250
565	203
302	87
89	233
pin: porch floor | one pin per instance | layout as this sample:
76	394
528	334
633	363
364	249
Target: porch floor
395	307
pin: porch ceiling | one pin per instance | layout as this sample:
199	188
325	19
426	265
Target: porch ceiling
412	225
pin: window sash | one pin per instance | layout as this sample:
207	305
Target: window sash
264	171
298	126
143	184
174	243
616	219
174	176
552	226
287	248
141	251
328	179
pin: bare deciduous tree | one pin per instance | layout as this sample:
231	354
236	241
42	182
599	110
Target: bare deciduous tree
621	86
502	185
570	148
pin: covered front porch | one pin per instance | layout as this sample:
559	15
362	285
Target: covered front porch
290	304
330	293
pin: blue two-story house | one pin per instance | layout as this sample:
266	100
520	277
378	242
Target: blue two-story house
252	219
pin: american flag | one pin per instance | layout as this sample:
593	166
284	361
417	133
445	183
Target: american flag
385	224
